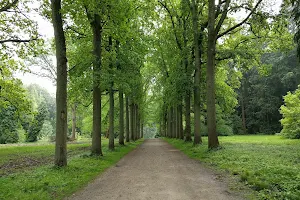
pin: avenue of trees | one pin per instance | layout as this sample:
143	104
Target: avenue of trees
192	68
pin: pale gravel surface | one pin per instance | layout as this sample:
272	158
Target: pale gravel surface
156	170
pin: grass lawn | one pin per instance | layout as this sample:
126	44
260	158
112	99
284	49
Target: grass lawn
46	182
270	165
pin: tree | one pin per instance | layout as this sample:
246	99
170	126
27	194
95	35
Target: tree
37	124
95	22
214	33
61	84
296	16
290	112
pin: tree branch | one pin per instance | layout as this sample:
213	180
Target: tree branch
17	40
76	31
223	17
241	23
9	5
173	23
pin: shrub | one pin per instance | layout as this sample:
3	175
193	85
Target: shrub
291	115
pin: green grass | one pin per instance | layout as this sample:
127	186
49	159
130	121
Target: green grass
270	165
46	182
11	152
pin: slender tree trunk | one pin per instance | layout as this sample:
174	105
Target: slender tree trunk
172	122
181	136
97	40
138	121
176	123
187	130
169	123
165	122
121	123
213	141
73	122
132	121
61	90
111	144
197	109
127	119
243	115
142	130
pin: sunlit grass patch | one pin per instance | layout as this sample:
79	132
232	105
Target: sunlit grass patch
270	165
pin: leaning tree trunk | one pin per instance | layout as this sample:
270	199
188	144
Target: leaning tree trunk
127	119
73	122
197	109
61	83
213	141
97	39
121	122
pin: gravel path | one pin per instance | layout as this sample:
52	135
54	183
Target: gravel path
156	170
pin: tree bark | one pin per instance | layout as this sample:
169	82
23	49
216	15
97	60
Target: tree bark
61	90
243	115
181	122
132	121
142	130
187	130
138	123
172	122
197	109
213	141
111	143
127	119
73	122
97	40
121	122
169	123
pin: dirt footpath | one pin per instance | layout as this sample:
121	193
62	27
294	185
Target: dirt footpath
156	170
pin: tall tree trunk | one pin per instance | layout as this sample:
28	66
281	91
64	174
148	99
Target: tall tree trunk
73	122
187	130
138	124
111	144
127	119
169	123
142	130
243	115
176	123
213	141
164	123
197	109
121	123
61	90
181	136
132	121
97	40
